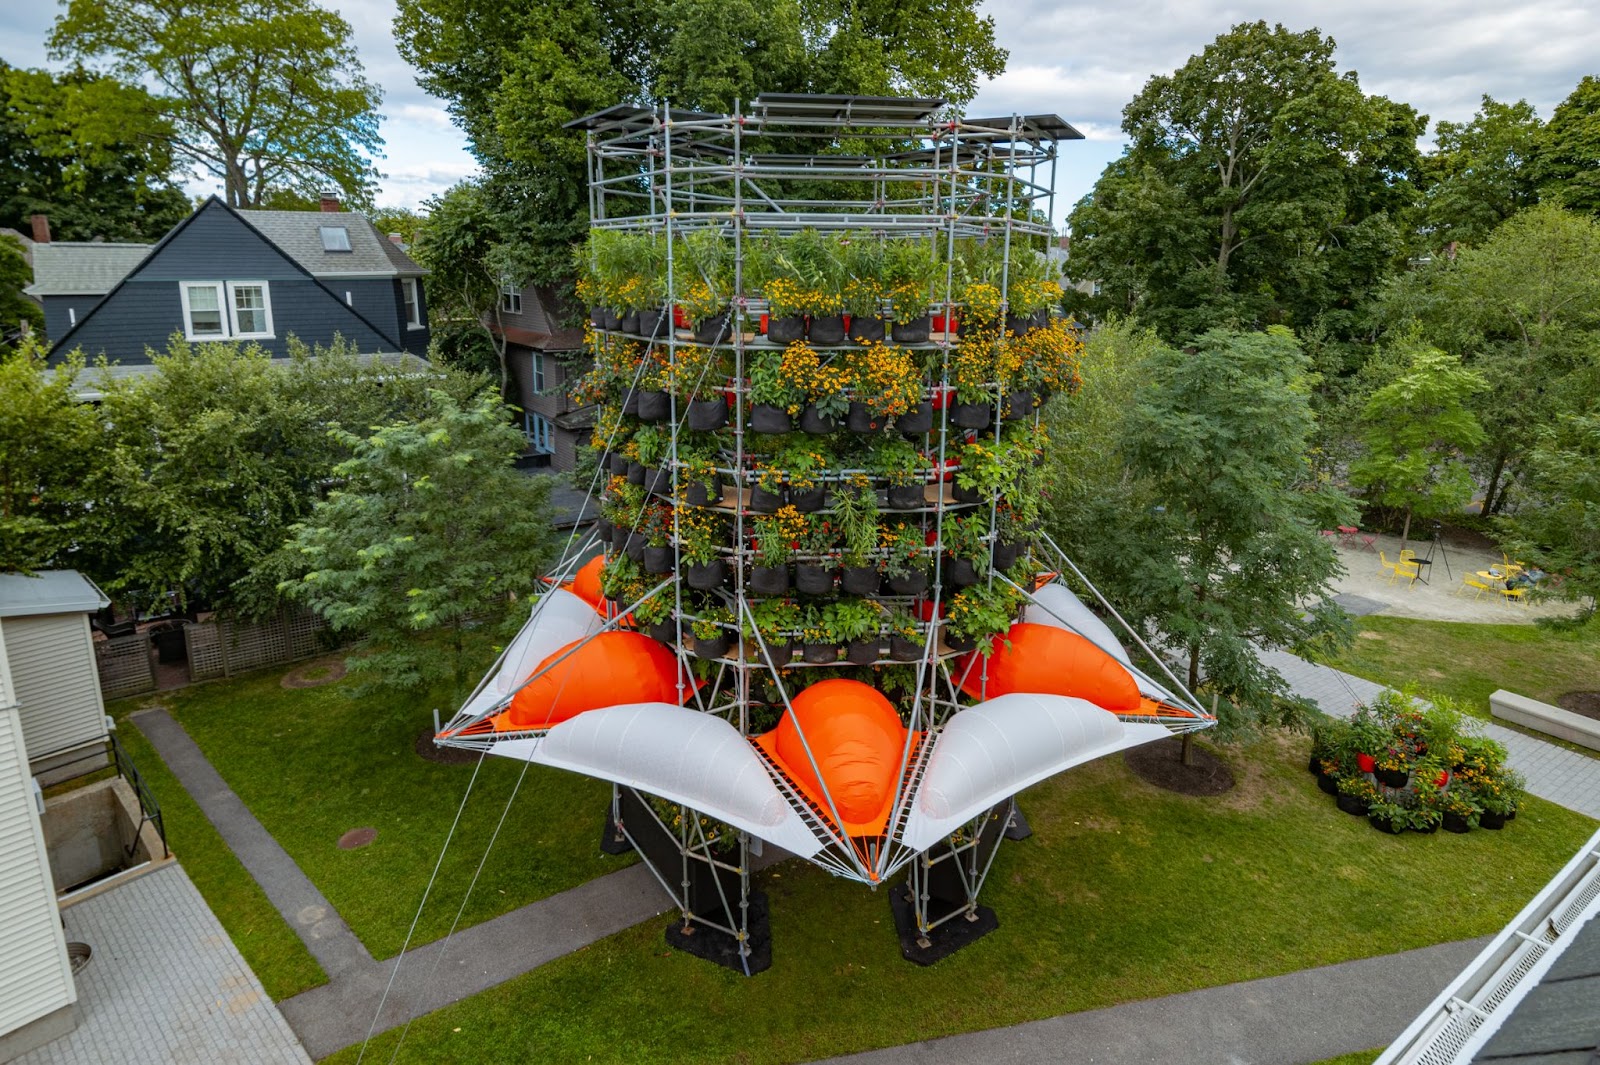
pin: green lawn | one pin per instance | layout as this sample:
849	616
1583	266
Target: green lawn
1360	1057
1124	892
267	942
314	763
1470	661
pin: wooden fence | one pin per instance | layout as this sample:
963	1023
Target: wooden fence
125	667
222	647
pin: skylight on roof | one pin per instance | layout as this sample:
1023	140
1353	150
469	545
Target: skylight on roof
335	238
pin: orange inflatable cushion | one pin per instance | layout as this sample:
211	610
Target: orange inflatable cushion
613	668
1045	660
858	743
585	584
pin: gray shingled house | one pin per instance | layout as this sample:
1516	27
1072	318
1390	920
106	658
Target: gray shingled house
545	356
226	274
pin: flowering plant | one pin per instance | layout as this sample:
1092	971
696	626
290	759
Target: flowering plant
701	534
973	365
885	377
982	301
904	549
771	383
821	537
786	297
777	535
983	611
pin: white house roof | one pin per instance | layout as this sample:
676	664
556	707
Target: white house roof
68	268
60	591
299	235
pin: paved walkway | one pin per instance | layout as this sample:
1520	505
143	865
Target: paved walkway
165	984
1556	774
1299	1017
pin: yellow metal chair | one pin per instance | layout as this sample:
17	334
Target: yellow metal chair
1514	595
1383	561
1469	581
1408	570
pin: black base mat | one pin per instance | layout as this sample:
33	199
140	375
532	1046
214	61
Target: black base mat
612	841
715	945
944	940
1018	827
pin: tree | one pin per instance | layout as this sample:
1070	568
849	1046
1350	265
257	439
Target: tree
1559	522
50	449
1260	186
1216	551
66	153
1481	172
432	533
19	315
1568	163
468	246
515	73
1415	431
263	94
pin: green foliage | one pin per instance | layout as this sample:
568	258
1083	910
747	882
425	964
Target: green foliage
67	151
1481	172
18	313
1568	164
434	532
49	457
1558	522
1415	431
265	94
1198	462
1261	186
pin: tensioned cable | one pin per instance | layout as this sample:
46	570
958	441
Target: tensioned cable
384	998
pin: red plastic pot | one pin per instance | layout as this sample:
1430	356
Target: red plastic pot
678	317
763	325
1366	763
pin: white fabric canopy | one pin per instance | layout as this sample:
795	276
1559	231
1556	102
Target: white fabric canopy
681	755
558	618
1056	606
991	751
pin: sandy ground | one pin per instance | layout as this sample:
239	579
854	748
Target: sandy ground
1442	598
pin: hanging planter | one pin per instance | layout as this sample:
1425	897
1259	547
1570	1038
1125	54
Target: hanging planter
618	465
664	632
765	418
960	572
650	324
715	647
658	560
782	652
1018	405
907	497
815	422
819	654
630	403
809	500
654	406
713	330
658	482
704	576
1040	318
866	330
787	329
970	415
862	419
827	329
957	642
603	530
1019	324
1005	554
861	652
910	584
859	580
764	502
704	493
904	650
610	319
812	579
629	323
708	415
916	421
597	317
633	546
915	331
769	580
964	495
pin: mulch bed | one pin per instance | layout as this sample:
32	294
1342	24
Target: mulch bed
1161	764
427	749
1585	703
314	674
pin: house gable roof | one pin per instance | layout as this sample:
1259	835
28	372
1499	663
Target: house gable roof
299	235
67	268
153	255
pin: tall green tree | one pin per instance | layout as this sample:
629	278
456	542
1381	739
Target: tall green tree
433	532
1568	164
262	94
65	153
471	250
1260	186
51	447
1557	522
1481	173
515	73
19	315
1215	550
1416	432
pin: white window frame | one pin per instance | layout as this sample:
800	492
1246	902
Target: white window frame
411	294
541	434
230	315
538	372
510	299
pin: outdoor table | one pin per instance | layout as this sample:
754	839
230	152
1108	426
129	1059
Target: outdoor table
1419	563
1347	535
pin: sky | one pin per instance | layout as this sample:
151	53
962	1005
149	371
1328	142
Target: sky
1081	61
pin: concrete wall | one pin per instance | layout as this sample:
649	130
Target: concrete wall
89	832
1542	717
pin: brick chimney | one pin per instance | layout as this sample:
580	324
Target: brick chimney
329	202
394	238
41	228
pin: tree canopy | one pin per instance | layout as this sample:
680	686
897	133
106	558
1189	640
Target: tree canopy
261	94
1481	173
1261	186
1568	164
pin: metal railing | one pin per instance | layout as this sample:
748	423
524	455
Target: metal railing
149	808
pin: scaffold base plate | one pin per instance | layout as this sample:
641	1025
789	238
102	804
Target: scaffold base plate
715	945
944	940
